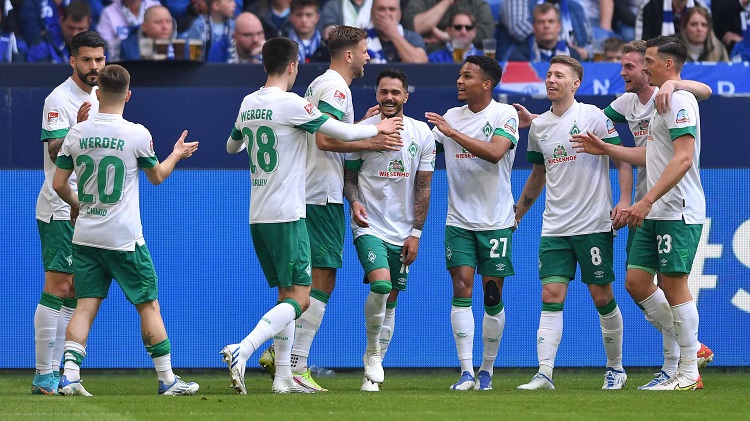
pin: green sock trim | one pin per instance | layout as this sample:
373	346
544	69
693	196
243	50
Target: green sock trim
639	305
70	302
607	308
391	305
494	310
297	309
555	280
461	302
381	287
51	301
74	357
552	306
320	295
159	350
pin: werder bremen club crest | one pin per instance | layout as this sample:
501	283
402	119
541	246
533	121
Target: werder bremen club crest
487	130
575	130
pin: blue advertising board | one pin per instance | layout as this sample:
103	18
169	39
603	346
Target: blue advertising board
212	291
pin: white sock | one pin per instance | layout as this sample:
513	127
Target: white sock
548	340
73	355
270	324
686	331
282	343
669	345
45	326
492	333
62	324
611	325
659	312
306	328
462	322
386	331
374	317
163	366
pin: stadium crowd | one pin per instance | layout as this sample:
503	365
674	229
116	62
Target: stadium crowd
414	31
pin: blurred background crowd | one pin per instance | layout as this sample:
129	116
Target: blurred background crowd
409	31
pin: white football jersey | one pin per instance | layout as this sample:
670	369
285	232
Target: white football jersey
686	199
106	153
60	113
479	193
387	179
579	197
274	125
325	170
627	108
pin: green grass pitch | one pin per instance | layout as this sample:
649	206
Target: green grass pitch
406	395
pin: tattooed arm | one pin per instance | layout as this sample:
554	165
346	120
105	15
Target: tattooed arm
531	191
53	148
422	189
351	192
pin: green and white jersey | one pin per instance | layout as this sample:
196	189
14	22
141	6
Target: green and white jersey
479	194
387	179
60	113
579	197
274	126
325	170
686	199
627	108
106	152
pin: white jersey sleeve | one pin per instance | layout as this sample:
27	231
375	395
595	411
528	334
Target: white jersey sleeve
144	149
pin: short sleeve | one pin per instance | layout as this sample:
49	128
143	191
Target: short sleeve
427	154
64	160
534	151
334	102
682	117
144	149
55	123
617	109
507	126
300	113
604	127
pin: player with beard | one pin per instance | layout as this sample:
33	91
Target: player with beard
68	104
324	187
479	141
389	194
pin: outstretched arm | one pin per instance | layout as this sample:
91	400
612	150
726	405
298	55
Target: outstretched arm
663	100
591	143
159	172
492	151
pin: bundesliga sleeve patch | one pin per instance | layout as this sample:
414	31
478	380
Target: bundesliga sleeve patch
682	117
610	127
339	96
52	117
511	125
309	108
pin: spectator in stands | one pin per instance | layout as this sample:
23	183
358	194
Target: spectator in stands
52	43
10	18
516	24
274	15
619	16
612	50
304	15
8	45
118	19
430	18
179	8
388	40
354	13
697	34
462	30
157	24
248	39
546	41
741	51
728	20
216	30
653	17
